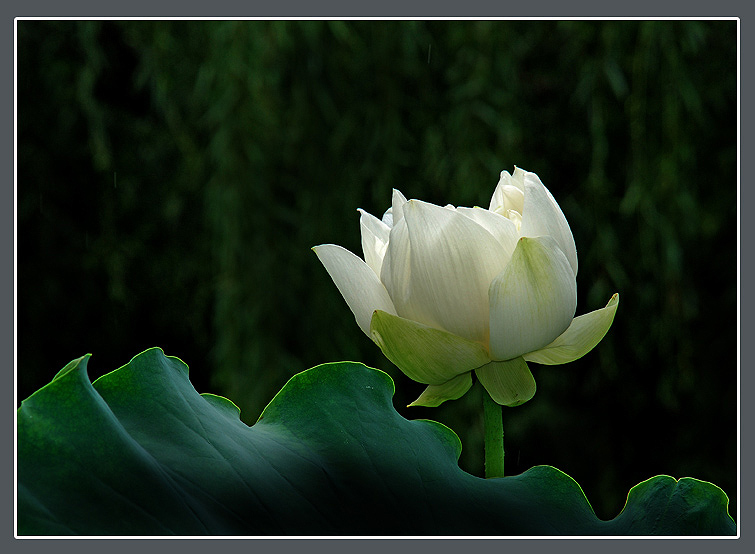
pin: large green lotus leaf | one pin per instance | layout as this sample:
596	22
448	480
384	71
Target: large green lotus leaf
141	452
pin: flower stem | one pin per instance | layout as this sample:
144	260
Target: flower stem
493	417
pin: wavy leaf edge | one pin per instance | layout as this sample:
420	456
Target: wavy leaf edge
77	370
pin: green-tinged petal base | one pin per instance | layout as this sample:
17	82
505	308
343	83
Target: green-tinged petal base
425	354
532	301
434	395
509	383
584	333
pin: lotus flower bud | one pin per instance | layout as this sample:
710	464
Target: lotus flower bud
445	291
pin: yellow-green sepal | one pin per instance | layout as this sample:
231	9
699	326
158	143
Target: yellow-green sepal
584	333
425	354
509	383
435	395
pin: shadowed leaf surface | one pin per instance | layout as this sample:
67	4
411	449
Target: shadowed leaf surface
139	451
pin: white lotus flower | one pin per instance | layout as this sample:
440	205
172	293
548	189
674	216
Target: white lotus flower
445	291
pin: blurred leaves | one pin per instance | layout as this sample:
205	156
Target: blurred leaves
173	175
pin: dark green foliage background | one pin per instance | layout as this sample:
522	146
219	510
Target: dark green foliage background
172	177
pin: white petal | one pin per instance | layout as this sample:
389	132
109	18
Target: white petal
438	267
375	235
435	395
517	178
388	217
358	284
425	354
508	194
533	300
502	228
396	271
397	203
542	216
508	383
584	333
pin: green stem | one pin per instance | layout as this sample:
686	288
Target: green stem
493	416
